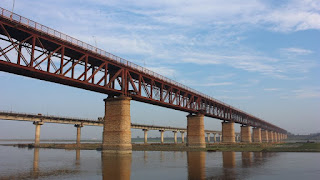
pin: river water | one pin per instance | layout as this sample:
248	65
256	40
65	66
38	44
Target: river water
23	163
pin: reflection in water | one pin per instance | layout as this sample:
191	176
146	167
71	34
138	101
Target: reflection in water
246	159
35	172
161	156
196	165
78	157
145	157
116	166
175	153
229	159
257	158
229	164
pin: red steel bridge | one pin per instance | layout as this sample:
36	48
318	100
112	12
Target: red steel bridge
30	49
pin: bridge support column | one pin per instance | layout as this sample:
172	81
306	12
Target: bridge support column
257	135
117	125
264	136
195	131
279	136
214	137
245	134
37	135
182	136
175	137
78	126
220	137
161	136
228	132
208	137
270	136
145	135
275	138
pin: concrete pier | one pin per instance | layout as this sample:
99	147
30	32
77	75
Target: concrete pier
214	137
208	137
145	135
245	134
161	136
275	138
264	136
257	135
37	133
182	136
78	126
270	136
220	138
195	131
175	137
228	132
117	125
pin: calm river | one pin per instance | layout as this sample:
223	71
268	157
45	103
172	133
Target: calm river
22	163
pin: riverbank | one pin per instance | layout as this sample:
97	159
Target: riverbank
238	147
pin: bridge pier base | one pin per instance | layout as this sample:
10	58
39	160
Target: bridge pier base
228	132
145	135
78	126
182	136
245	134
274	137
161	136
195	131
264	136
220	137
175	137
37	133
208	137
257	135
270	136
214	137
117	125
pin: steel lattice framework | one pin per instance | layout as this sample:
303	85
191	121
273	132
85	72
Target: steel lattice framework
31	49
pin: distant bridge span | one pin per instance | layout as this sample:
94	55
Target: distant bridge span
30	49
85	122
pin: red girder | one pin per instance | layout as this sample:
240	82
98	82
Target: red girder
109	75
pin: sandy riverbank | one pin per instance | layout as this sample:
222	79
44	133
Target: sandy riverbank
239	147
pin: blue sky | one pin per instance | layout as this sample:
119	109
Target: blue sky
259	56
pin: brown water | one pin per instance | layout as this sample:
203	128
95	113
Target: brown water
22	163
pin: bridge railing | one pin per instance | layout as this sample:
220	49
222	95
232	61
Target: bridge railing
56	34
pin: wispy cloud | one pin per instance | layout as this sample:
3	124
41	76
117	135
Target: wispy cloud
212	84
297	51
306	93
271	89
165	71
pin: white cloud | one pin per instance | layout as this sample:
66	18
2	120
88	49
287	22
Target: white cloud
212	84
164	71
306	93
297	51
271	89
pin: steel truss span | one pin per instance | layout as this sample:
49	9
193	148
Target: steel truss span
31	49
